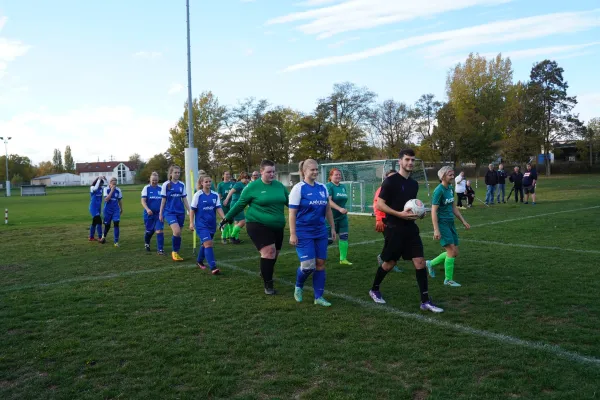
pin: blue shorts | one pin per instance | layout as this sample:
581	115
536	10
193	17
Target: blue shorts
204	234
309	249
152	223
95	212
112	216
171	219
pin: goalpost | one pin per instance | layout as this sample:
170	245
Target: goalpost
363	178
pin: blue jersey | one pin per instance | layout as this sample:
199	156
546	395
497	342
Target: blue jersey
173	192
112	205
311	203
96	198
205	206
153	198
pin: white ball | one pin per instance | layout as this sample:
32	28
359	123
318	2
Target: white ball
416	206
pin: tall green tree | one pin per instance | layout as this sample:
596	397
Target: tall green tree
57	162
549	90
208	120
17	165
313	136
159	163
349	109
442	140
136	159
589	143
69	163
392	124
477	90
426	109
276	137
520	140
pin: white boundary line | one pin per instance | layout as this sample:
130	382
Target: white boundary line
531	246
507	339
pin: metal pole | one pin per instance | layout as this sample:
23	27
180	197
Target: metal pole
189	68
5	140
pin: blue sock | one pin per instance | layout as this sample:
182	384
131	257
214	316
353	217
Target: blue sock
302	276
117	230
210	257
148	236
92	230
319	283
200	254
176	243
99	230
160	241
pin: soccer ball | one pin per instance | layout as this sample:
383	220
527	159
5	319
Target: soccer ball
416	206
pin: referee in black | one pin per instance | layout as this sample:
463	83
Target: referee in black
402	239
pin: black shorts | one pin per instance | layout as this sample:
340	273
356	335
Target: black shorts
530	189
263	235
402	243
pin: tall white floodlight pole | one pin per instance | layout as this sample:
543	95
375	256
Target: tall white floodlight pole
6	150
191	153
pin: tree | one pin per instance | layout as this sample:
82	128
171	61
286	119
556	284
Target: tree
550	97
589	145
313	136
443	138
136	159
393	125
208	120
349	110
69	163
57	162
17	165
426	109
477	91
44	168
159	163
276	136
17	179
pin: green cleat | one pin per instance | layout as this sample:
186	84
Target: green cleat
298	294
430	268
322	302
345	262
448	282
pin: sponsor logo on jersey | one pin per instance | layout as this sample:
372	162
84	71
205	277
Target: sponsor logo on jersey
449	201
318	203
322	193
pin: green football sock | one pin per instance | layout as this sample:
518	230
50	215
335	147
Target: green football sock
226	230
439	259
449	267
235	232
343	249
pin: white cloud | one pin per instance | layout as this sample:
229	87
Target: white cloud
351	15
150	55
311	3
249	52
9	49
91	133
443	43
342	42
175	88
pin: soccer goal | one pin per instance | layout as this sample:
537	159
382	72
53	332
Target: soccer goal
363	178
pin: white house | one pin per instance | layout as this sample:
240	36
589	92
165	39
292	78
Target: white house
65	179
124	171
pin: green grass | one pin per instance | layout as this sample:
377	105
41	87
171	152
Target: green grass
82	320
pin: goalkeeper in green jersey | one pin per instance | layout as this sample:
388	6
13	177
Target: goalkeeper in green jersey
443	211
337	201
223	189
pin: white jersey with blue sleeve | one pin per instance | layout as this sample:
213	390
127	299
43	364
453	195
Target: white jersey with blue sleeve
174	192
112	205
311	202
153	198
205	207
96	198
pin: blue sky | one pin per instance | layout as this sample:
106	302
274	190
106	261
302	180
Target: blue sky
109	77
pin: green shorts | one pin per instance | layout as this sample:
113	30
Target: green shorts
341	226
448	232
239	217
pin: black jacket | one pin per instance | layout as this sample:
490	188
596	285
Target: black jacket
502	177
491	178
469	191
517	179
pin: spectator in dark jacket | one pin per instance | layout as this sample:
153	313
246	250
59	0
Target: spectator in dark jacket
529	181
517	180
470	193
491	180
501	182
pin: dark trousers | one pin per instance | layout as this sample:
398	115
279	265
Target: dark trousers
461	197
470	199
517	191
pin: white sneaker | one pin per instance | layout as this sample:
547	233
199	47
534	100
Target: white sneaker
448	282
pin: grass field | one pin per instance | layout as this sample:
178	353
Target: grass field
84	320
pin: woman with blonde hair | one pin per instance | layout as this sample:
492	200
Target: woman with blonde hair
173	208
151	201
309	208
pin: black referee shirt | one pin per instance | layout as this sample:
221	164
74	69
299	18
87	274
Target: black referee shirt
396	190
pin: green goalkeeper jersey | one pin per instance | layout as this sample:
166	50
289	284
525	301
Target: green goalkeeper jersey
444	198
267	203
223	189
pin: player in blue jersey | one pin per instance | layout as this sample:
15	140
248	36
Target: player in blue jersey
173	208
205	205
309	208
151	199
96	207
113	208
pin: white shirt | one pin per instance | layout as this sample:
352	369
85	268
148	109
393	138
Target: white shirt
461	184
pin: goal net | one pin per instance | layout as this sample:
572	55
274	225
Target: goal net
363	178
